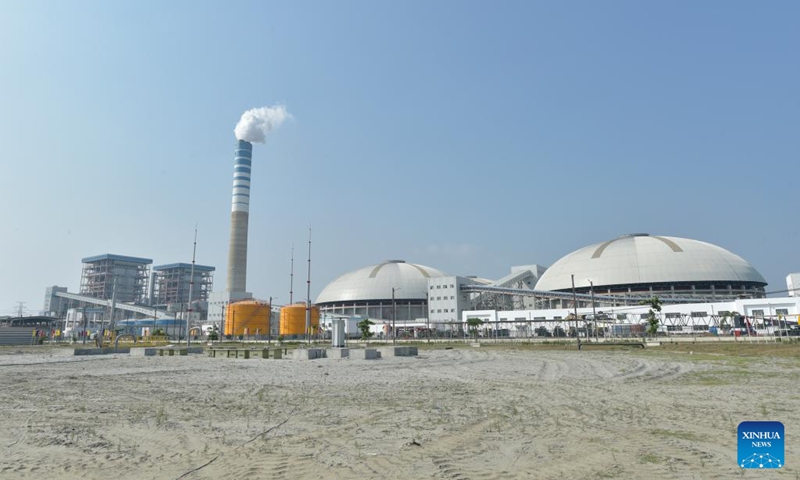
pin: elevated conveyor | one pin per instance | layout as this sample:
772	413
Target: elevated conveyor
141	309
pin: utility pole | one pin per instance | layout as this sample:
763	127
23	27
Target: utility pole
291	278
575	309
594	311
85	324
394	317
308	291
221	329
428	314
191	288
111	323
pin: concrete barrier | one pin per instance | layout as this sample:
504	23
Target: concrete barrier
100	351
337	353
161	351
398	351
308	353
363	354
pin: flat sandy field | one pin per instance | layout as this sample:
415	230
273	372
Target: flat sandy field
465	413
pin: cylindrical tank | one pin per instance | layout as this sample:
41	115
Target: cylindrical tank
251	316
293	319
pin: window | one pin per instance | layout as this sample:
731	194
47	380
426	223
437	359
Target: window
556	318
781	311
452	297
431	287
699	314
438	286
700	327
758	313
438	298
539	319
452	309
452	286
673	315
643	316
439	311
622	316
674	328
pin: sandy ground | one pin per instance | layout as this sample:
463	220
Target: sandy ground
474	413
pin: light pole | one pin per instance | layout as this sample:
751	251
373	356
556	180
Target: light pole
575	309
269	323
394	317
594	311
428	314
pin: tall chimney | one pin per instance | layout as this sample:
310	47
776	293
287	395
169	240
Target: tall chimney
240	216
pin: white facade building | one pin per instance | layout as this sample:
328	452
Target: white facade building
764	315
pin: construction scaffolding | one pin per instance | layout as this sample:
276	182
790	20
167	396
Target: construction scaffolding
171	283
103	275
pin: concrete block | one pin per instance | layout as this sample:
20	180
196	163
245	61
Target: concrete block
277	354
183	351
231	353
397	351
363	354
143	352
265	353
413	351
308	353
243	353
87	351
337	353
171	352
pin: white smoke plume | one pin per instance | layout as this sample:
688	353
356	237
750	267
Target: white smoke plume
256	123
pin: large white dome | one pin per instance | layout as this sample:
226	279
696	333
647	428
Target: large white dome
375	282
646	259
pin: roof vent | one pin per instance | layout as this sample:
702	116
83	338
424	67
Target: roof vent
630	235
395	261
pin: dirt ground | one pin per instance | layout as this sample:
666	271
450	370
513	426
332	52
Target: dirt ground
477	413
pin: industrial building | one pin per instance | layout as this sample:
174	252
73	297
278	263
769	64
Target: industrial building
108	275
699	283
704	287
390	290
642	264
171	284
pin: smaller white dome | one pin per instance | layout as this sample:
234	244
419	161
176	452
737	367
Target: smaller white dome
375	282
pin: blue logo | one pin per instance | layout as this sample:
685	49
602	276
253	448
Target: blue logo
761	445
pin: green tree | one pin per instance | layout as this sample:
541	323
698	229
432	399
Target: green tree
473	324
213	334
652	320
364	325
542	332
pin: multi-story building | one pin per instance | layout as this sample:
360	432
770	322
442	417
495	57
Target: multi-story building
103	275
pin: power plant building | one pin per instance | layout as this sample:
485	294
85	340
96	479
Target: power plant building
390	290
703	287
103	275
649	265
171	283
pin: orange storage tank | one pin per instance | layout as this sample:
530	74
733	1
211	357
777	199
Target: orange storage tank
250	315
293	319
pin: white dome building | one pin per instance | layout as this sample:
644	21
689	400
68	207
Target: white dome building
368	291
648	264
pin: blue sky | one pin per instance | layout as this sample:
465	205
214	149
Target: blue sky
467	136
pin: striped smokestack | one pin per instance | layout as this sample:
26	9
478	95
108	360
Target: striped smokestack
240	213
